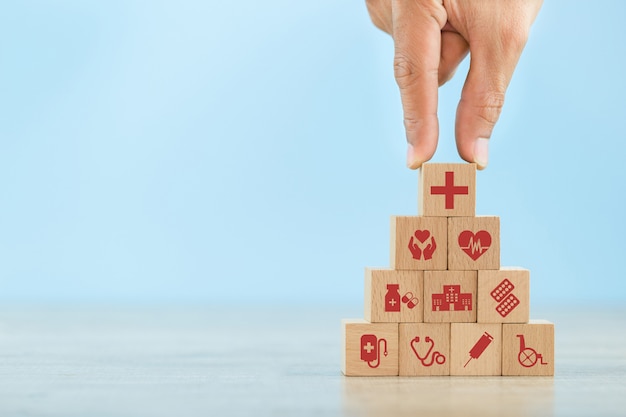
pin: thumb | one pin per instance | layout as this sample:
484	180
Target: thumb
491	68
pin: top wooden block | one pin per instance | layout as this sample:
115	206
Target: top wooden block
447	190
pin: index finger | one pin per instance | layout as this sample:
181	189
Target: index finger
417	28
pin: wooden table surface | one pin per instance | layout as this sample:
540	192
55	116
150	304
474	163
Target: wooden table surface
196	361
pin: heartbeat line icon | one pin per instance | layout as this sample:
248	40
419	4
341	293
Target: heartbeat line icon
474	245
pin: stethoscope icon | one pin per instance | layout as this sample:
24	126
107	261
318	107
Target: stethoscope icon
436	357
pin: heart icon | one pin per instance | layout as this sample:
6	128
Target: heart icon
422	235
475	244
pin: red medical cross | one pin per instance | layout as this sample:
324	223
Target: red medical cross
449	190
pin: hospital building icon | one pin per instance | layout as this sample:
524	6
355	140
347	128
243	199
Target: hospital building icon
452	299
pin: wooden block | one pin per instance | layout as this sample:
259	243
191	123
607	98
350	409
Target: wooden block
476	349
528	349
393	296
473	243
419	243
450	296
504	296
369	349
424	349
447	190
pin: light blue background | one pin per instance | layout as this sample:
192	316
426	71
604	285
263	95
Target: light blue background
253	152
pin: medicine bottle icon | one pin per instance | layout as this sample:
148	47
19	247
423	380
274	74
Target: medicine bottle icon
392	298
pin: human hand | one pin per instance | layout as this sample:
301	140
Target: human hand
430	249
416	251
431	39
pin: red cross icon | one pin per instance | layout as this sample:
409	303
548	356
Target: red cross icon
449	190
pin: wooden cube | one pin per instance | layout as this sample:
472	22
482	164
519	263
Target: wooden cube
369	349
473	243
419	243
424	349
450	296
393	296
528	349
475	349
504	296
447	190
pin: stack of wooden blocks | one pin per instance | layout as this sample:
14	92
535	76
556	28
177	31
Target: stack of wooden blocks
446	307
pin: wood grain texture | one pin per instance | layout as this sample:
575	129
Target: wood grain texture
424	349
463	286
276	360
464	338
384	346
466	243
380	287
535	356
458	201
419	243
504	295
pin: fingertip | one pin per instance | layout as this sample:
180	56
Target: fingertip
475	151
417	155
413	161
421	138
472	136
481	153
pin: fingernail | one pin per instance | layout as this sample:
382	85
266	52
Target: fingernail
481	152
413	161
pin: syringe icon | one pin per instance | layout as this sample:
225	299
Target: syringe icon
480	346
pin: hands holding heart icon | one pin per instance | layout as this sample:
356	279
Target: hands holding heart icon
418	245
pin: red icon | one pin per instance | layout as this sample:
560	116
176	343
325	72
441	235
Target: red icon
410	300
502	295
370	349
393	302
528	357
422	243
449	190
435	357
392	298
479	347
452	299
475	244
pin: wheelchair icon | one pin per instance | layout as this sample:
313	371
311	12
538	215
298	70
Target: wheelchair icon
527	356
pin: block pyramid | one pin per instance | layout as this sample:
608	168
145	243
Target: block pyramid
446	306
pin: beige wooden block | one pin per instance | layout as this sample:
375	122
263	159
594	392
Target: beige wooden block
447	190
424	349
528	349
419	243
473	243
504	296
476	349
393	296
369	349
450	296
